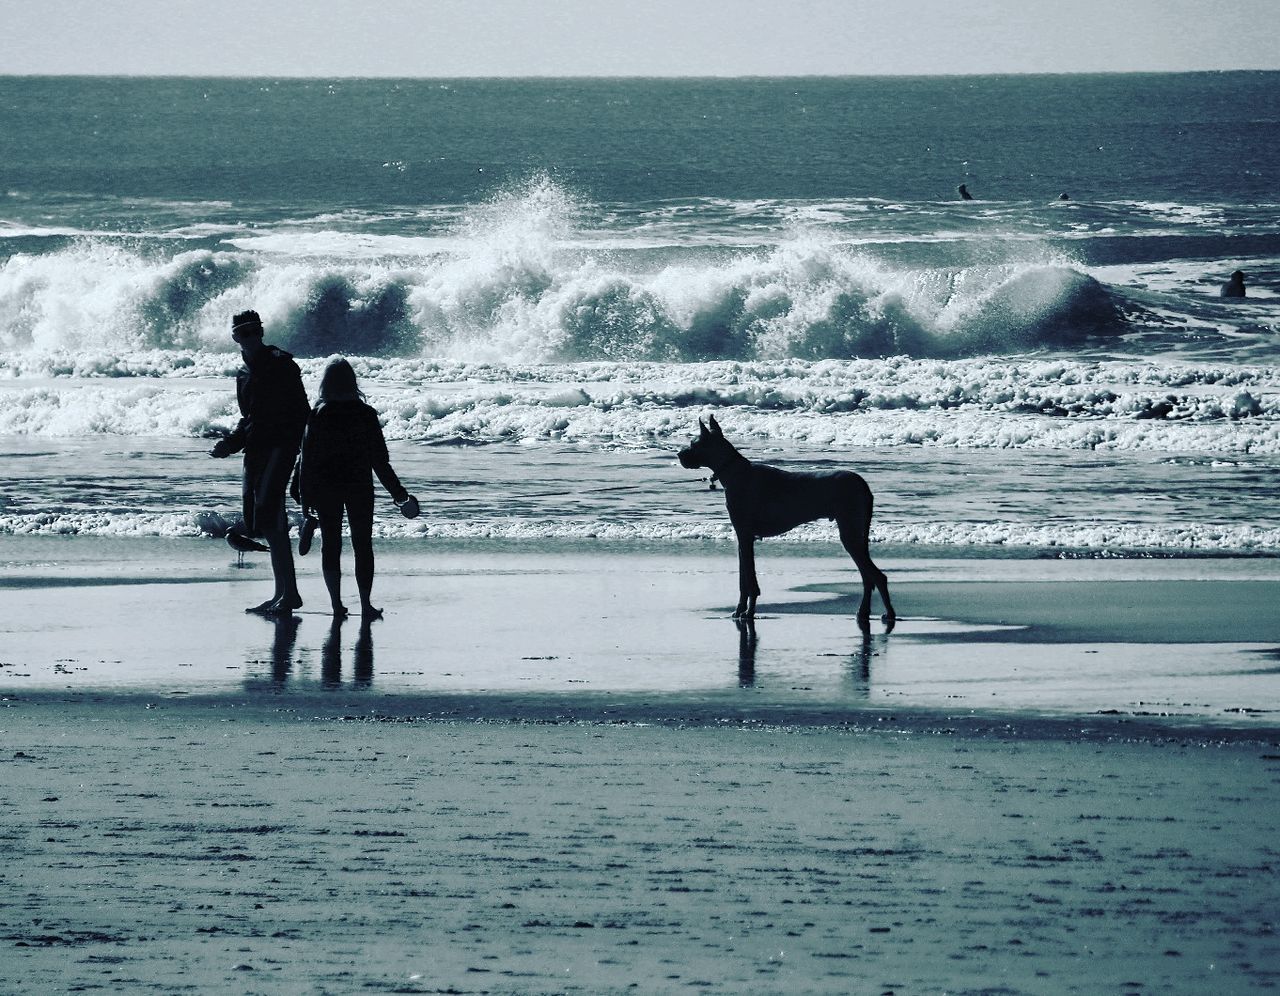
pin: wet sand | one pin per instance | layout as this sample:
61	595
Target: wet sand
558	772
1195	641
246	848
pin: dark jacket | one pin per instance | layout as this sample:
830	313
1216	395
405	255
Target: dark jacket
343	448
273	404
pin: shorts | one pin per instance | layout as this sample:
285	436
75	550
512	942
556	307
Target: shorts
266	479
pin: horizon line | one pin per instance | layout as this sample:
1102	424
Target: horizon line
632	76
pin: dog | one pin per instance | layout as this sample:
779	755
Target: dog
766	501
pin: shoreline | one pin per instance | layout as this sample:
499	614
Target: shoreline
644	635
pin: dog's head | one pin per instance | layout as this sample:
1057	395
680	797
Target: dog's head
708	450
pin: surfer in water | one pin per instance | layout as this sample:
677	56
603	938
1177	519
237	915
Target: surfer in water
963	191
273	413
1233	287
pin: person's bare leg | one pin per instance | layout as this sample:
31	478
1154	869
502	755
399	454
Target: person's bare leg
364	577
333	581
268	482
286	595
331	557
360	519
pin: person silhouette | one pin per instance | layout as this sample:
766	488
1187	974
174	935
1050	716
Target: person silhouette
1233	287
963	191
341	451
273	413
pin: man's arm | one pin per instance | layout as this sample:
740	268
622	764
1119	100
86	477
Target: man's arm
234	441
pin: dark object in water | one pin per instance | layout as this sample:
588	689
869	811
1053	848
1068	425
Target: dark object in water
1233	287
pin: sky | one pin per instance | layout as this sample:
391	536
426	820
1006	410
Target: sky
328	38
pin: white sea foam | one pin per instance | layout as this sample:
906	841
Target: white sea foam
11	230
1020	374
1065	539
329	244
981	403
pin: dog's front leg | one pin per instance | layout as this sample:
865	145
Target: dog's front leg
748	586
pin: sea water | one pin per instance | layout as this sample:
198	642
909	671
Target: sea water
544	284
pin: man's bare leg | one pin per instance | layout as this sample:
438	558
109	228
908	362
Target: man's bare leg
286	597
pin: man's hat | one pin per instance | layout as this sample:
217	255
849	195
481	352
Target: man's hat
246	323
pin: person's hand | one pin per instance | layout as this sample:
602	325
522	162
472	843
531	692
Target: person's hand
222	448
409	507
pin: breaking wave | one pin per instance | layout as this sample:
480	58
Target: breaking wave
520	279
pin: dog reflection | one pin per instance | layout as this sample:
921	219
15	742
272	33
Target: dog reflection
860	667
859	671
746	652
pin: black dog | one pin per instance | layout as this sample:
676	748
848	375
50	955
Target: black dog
765	501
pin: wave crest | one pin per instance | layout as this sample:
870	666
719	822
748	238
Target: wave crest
521	280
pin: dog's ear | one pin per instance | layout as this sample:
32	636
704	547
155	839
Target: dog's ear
702	429
715	427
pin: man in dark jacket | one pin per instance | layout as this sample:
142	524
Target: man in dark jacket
273	416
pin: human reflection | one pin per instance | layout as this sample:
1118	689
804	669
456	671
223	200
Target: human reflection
331	656
282	643
746	652
361	656
284	637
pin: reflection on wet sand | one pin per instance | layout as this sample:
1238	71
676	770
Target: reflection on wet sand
860	666
361	657
283	653
284	638
859	671
747	642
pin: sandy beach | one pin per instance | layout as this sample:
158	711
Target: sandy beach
557	771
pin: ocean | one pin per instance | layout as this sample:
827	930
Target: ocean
543	284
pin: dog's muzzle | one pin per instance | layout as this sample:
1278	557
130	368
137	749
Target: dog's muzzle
688	460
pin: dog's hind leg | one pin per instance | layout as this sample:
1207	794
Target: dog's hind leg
855	537
748	586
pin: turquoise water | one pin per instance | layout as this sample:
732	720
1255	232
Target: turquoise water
325	144
544	283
